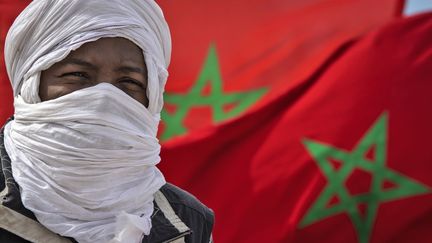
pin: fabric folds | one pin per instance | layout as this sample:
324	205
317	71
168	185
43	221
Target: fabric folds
48	30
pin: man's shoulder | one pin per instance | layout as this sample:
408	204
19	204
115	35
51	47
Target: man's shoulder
184	202
180	214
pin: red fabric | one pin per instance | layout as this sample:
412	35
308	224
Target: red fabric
258	175
9	9
260	44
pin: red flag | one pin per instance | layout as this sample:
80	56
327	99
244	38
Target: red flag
342	156
230	56
233	56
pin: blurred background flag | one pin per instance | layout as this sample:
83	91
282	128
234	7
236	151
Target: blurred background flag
296	121
342	156
230	57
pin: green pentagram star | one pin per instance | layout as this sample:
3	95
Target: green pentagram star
322	153
216	99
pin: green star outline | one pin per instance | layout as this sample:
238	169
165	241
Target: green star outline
210	74
375	136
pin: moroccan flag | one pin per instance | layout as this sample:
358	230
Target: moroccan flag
343	156
230	57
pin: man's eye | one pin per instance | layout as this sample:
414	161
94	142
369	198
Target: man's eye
75	74
131	81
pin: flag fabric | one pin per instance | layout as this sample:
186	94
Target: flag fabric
342	156
230	57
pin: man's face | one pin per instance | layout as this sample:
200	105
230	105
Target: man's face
117	61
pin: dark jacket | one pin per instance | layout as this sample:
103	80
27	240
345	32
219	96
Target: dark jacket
181	219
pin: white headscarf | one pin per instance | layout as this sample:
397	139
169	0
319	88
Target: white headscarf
48	30
85	162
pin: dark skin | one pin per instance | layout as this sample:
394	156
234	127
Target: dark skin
117	61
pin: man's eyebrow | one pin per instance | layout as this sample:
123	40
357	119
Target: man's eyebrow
78	62
123	69
131	69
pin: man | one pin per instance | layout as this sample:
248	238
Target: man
79	157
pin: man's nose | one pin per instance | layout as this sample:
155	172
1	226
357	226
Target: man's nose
105	77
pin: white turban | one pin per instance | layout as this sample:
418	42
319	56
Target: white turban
48	30
86	161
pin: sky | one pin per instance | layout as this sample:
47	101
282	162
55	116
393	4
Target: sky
417	6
